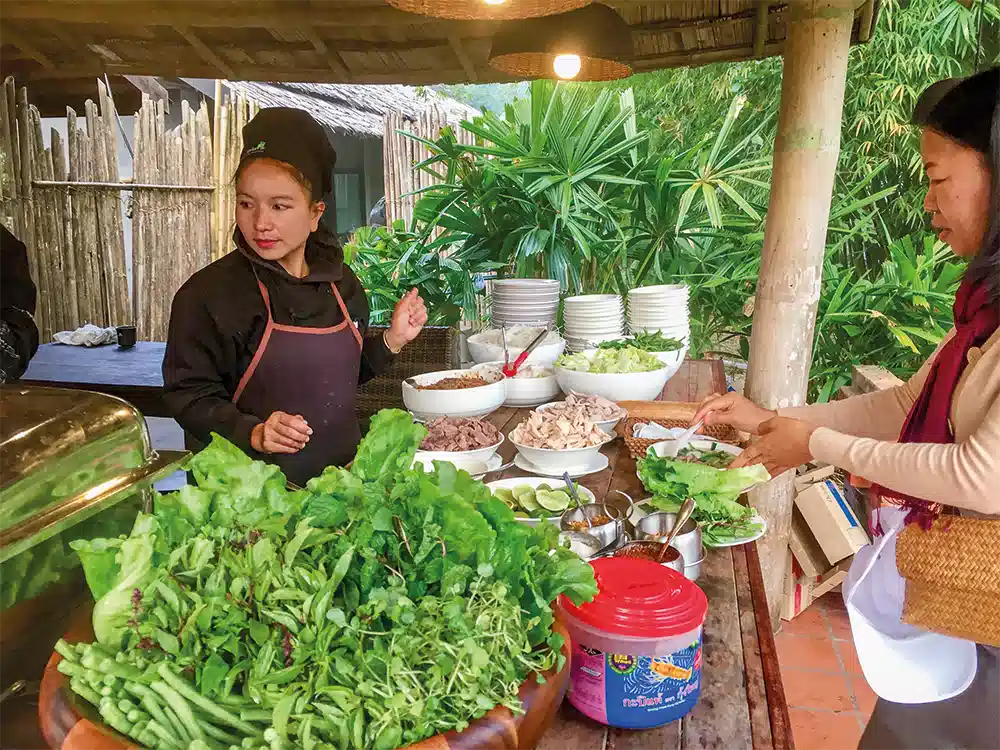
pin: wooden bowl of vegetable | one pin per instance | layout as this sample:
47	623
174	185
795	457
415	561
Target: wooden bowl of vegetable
69	723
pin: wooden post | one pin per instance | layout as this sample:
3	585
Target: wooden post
806	148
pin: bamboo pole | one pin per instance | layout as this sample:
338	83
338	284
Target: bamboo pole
24	152
115	229
65	209
8	142
140	277
806	148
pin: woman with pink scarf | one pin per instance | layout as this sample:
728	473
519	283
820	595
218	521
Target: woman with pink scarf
933	443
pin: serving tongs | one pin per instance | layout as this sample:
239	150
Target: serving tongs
510	370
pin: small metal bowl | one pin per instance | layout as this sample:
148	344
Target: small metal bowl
588	545
657	525
692	571
607	533
674	561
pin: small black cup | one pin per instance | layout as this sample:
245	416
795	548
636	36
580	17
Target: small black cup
126	336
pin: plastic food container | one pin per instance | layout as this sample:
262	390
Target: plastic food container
636	649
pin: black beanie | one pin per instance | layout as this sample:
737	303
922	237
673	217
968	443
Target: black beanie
961	108
294	137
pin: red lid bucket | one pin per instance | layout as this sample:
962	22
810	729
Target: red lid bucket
640	599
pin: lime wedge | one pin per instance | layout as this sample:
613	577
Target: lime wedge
502	493
555	502
528	500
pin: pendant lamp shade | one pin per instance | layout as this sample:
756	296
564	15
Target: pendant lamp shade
593	43
488	10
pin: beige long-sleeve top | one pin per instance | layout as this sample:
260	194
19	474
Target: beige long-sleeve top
859	435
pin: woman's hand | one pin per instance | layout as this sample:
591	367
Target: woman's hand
408	318
733	409
783	445
280	433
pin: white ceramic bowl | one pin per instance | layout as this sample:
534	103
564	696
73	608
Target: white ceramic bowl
463	402
637	386
522	392
556	461
660	290
586	496
483	352
608	425
479	454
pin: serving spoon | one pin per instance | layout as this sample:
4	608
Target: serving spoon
687	508
675	446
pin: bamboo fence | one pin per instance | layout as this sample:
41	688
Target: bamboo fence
65	202
172	230
401	153
231	116
74	236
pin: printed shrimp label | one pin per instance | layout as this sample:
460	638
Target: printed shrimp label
635	692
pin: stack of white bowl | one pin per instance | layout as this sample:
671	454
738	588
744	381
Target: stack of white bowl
531	302
661	308
589	319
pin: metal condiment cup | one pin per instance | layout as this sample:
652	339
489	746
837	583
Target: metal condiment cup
607	533
657	525
652	549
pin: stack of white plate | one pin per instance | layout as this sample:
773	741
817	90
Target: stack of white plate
661	308
591	319
533	302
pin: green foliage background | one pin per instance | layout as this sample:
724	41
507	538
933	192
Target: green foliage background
664	177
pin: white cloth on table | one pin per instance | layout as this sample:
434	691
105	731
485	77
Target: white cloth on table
87	335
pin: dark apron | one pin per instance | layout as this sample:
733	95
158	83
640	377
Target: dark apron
968	721
312	372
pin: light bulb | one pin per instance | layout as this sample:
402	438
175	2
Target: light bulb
494	2
566	66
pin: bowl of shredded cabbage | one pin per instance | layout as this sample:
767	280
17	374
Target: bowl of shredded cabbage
615	374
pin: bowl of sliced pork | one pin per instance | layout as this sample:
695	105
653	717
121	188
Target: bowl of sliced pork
459	440
558	441
597	409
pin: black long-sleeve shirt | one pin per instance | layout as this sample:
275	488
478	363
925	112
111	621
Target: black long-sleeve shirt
217	321
18	332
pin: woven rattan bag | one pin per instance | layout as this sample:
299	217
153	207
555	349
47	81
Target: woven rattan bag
952	574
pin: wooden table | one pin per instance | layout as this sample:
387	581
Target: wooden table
742	702
132	374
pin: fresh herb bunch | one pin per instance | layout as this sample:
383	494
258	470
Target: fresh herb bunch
376	608
649	342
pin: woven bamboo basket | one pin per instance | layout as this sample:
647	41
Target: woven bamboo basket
434	349
952	577
668	414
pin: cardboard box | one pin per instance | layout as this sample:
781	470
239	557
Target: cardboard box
802	590
805	549
829	517
812	476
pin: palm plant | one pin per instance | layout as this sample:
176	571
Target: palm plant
544	192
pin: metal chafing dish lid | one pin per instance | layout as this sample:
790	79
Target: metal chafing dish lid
64	456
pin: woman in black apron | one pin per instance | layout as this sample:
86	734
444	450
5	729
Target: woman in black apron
267	345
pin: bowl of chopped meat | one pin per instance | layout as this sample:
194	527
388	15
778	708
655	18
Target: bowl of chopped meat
459	439
454	393
597	409
558	442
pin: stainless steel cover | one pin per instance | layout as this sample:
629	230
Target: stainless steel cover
65	455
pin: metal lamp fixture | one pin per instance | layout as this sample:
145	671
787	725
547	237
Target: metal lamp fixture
593	43
488	10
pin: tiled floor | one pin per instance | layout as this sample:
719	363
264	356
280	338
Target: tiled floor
828	698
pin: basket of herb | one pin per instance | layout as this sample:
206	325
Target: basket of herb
378	608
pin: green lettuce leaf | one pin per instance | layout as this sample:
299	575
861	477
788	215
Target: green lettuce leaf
100	563
114	609
389	446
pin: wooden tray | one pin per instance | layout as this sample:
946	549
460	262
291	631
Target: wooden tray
69	723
